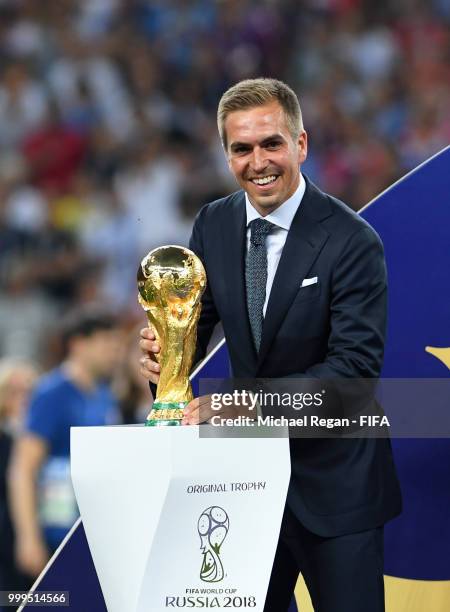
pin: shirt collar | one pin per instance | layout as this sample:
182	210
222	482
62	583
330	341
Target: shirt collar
284	214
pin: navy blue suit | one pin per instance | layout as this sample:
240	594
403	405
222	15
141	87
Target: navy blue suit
332	328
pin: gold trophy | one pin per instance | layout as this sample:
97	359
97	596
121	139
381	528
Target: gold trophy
171	281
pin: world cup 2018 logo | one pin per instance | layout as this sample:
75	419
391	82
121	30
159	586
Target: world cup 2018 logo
212	526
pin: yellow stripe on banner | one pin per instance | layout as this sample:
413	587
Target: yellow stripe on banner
402	595
302	596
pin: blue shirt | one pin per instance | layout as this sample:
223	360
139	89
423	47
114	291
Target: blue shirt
57	404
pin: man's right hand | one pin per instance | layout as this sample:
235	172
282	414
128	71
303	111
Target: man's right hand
149	348
31	555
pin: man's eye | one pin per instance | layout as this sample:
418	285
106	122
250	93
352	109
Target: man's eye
240	150
272	145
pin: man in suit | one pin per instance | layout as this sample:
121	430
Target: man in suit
298	281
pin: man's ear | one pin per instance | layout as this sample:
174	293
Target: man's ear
302	145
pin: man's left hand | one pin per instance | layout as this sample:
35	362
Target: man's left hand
199	410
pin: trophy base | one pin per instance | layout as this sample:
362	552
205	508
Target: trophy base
166	414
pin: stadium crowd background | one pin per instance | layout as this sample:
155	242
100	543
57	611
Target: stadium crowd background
108	137
109	145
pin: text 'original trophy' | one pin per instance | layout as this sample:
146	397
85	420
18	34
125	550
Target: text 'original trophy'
171	281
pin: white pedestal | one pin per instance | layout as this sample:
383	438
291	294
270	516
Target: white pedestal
171	516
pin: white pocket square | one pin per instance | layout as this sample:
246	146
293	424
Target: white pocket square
309	281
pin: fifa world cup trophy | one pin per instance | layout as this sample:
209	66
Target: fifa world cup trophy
171	281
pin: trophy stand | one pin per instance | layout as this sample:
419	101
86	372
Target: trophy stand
177	519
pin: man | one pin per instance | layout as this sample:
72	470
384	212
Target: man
316	309
17	379
74	394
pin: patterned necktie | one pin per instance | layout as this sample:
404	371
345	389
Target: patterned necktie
256	276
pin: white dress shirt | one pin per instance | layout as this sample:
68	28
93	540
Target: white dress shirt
282	219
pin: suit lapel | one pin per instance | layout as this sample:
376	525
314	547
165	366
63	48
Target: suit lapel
234	246
304	242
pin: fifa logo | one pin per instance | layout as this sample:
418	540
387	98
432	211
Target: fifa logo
212	527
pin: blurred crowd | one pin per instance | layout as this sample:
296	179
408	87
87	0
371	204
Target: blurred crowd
108	139
109	145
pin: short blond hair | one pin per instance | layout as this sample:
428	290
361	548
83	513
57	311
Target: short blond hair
257	92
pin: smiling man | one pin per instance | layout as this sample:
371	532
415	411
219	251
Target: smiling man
298	281
265	152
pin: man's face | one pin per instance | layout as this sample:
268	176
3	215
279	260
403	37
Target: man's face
263	156
101	352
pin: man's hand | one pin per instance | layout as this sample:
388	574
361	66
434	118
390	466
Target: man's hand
200	410
31	555
149	347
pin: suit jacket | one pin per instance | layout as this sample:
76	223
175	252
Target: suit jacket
333	328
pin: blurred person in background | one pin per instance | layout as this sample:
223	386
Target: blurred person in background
109	239
38	271
23	104
76	393
133	395
152	181
54	151
16	381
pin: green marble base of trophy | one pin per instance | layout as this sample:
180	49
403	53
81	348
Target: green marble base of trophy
165	413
